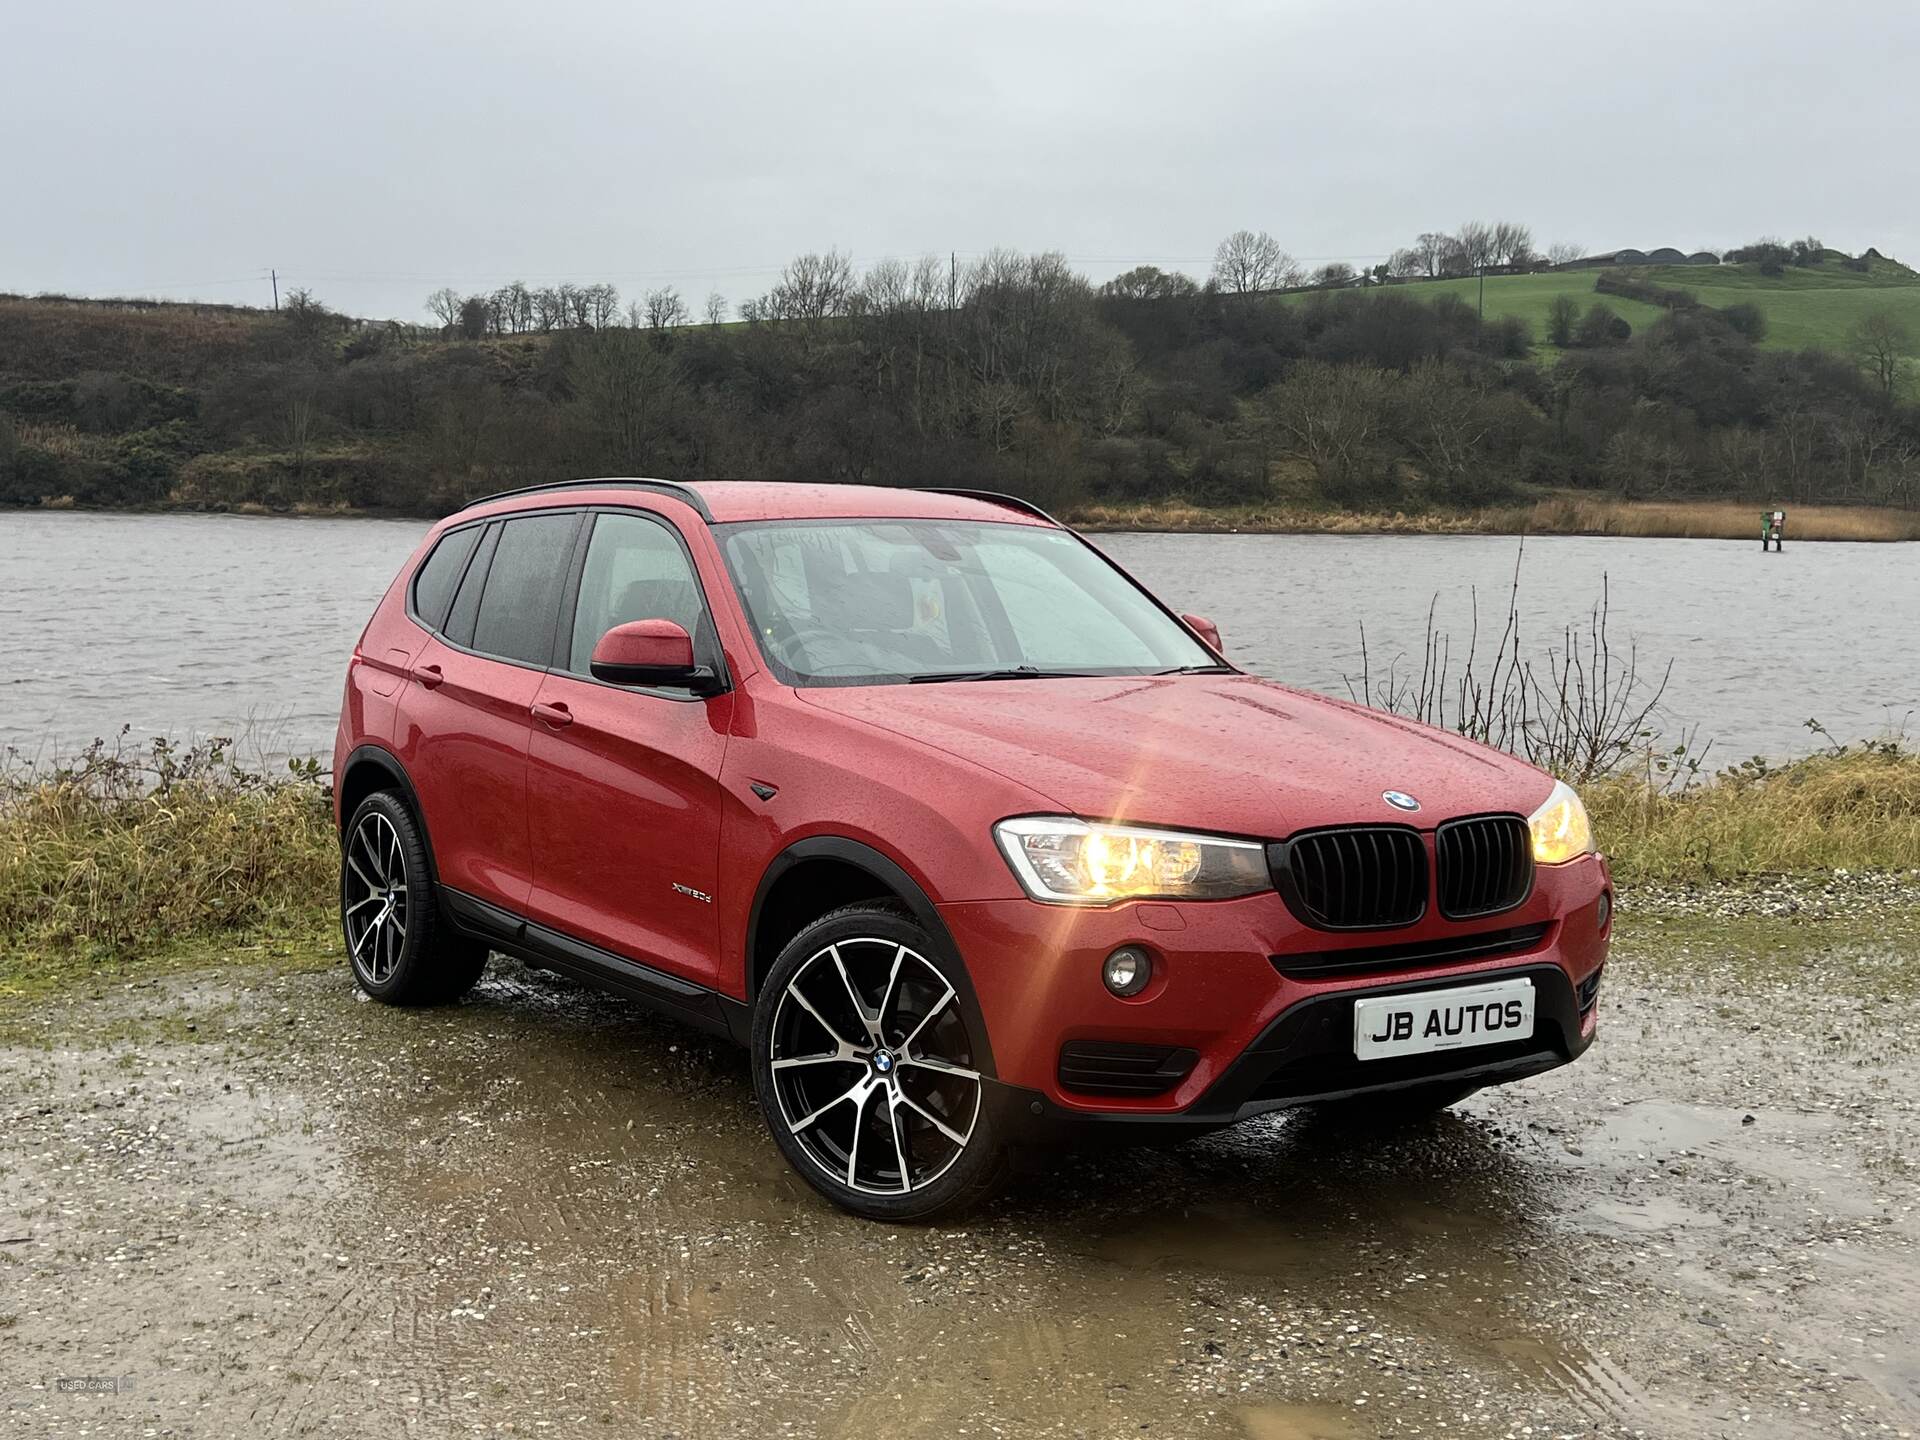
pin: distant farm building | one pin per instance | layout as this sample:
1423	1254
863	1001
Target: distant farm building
1630	257
1703	257
1666	255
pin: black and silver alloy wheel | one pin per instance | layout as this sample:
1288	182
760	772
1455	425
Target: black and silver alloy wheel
872	1068
868	1072
373	898
400	949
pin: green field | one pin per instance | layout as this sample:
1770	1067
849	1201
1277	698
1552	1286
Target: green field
1805	308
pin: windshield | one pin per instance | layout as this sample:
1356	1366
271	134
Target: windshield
866	602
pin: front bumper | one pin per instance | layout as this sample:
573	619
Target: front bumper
1258	1002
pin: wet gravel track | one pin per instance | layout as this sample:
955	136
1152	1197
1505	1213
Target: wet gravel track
266	1207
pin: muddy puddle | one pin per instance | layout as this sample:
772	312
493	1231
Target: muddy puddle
546	1212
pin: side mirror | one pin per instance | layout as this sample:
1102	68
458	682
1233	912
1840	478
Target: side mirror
1206	630
648	652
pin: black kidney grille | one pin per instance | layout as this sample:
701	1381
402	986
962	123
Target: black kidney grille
1486	865
1365	878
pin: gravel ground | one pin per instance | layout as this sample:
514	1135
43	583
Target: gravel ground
263	1206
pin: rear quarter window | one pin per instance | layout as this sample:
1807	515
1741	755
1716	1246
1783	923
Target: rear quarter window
436	579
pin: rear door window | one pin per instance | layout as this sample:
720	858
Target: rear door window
436	580
522	596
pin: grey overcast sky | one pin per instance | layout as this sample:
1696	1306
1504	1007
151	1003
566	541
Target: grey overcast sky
375	151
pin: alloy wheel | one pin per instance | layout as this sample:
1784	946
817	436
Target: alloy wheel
374	888
872	1066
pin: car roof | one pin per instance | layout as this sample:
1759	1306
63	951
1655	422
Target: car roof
727	501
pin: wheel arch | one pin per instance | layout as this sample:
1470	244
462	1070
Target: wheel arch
822	873
372	768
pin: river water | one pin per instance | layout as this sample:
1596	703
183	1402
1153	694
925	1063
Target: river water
192	625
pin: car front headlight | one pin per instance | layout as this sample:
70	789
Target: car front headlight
1073	862
1560	828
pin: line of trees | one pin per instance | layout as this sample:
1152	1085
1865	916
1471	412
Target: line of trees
519	309
1012	372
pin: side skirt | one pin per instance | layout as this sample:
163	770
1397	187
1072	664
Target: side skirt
536	944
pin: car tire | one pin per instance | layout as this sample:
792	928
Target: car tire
399	948
1390	1108
868	1072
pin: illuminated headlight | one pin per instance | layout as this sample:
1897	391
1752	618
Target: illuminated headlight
1560	828
1072	862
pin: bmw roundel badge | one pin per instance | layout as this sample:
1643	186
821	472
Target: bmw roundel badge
1399	799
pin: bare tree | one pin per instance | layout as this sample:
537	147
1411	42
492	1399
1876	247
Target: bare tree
625	390
1334	274
1564	252
1431	251
812	288
1250	261
1407	263
1880	342
716	309
297	424
665	309
444	305
1475	239
602	304
512	307
1510	243
549	308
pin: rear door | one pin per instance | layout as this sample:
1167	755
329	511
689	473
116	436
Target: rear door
466	709
624	789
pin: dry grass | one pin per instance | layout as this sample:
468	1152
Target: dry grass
158	845
50	338
1556	515
1850	809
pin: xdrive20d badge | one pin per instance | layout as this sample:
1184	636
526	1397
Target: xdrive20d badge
969	839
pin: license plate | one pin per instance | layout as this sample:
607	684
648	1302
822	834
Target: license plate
1430	1020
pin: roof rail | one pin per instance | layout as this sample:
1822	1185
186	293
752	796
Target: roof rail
683	493
994	497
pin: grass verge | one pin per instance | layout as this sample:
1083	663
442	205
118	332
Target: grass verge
116	852
1854	808
1553	515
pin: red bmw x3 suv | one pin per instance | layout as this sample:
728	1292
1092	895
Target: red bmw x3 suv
961	831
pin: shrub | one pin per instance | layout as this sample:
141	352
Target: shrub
121	846
1750	320
1562	316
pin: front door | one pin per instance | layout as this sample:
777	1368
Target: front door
623	783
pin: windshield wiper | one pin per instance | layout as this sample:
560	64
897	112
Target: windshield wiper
1197	670
1011	672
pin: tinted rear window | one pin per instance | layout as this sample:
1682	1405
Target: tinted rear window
522	597
433	586
466	604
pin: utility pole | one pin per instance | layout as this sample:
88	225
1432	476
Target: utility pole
275	275
1480	321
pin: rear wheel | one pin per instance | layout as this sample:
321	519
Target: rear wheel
399	949
867	1071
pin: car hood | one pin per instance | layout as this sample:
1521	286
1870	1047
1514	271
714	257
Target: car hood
1227	753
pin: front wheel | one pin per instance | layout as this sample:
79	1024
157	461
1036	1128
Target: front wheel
867	1071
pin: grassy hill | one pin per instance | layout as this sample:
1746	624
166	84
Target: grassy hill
1805	308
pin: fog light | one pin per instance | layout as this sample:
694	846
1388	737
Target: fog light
1603	912
1127	970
